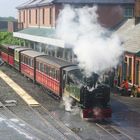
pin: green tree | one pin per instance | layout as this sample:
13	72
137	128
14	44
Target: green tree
7	38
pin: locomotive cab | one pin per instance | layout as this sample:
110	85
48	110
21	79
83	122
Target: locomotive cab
72	82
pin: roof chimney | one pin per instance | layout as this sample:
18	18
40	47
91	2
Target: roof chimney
137	11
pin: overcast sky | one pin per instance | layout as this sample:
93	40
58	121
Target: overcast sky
8	7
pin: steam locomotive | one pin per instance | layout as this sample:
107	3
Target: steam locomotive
60	78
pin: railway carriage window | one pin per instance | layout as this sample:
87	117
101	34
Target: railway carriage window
57	75
70	79
21	58
15	53
32	62
37	65
29	62
44	68
75	77
53	72
47	70
25	60
50	73
41	67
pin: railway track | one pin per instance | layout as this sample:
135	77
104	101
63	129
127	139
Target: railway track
53	124
47	117
114	131
20	125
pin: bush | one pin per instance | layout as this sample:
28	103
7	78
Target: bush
7	38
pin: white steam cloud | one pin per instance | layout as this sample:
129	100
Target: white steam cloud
96	49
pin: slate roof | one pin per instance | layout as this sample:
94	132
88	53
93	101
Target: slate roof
97	1
36	3
130	35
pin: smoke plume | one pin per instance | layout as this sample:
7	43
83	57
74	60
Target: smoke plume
97	50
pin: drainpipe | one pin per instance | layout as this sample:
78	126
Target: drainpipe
134	70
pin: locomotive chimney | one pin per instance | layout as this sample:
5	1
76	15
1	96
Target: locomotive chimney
137	11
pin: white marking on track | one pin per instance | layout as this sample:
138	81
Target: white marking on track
18	90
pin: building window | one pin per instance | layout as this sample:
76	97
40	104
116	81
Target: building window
36	16
128	12
29	16
43	15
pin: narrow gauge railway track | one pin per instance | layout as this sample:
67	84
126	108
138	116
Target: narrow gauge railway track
20	125
113	131
64	132
47	117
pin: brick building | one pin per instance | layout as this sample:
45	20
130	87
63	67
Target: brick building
130	67
37	21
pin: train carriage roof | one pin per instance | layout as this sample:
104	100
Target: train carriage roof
4	46
22	49
54	61
71	68
32	53
13	46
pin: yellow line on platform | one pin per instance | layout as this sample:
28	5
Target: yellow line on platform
20	91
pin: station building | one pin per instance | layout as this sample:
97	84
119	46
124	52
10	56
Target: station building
129	32
37	22
129	69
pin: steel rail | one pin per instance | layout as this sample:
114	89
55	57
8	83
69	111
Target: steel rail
114	132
